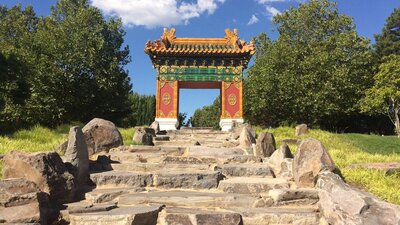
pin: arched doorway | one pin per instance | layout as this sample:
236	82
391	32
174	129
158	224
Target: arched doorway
216	63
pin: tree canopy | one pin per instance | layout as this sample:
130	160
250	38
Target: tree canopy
208	116
72	65
314	72
384	96
388	42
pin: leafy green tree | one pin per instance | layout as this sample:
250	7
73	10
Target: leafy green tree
16	28
208	116
142	111
388	42
79	66
316	70
384	96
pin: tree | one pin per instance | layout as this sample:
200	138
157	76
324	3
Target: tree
208	116
384	96
79	66
16	28
142	111
388	42
315	72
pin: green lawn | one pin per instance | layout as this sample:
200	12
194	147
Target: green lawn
347	149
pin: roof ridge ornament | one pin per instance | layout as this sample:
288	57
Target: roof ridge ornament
232	37
168	37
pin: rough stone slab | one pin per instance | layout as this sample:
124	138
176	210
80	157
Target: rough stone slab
87	207
294	216
135	148
182	216
195	180
213	152
246	170
121	178
189	160
108	194
300	196
244	159
139	215
245	185
28	213
182	198
155	167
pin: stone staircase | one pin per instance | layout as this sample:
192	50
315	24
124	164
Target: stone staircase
189	178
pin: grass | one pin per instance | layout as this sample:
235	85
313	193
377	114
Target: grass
347	149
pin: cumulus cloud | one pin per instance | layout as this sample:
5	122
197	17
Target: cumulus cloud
155	13
272	11
253	20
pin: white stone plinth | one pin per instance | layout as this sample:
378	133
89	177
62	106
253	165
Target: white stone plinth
167	123
226	124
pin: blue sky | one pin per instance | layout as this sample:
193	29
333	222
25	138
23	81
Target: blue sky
144	20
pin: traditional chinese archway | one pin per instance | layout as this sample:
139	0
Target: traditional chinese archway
195	63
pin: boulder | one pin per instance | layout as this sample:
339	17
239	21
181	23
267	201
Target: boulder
46	169
310	158
140	133
265	145
237	128
342	204
246	140
277	160
155	126
101	135
301	129
147	140
77	155
21	201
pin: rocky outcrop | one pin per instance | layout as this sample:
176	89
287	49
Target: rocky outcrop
47	170
265	145
246	140
310	158
278	161
341	204
77	156
101	135
301	129
21	201
237	129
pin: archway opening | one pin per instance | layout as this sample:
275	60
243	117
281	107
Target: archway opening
200	103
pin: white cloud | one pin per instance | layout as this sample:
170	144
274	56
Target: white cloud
253	20
270	1
272	11
156	13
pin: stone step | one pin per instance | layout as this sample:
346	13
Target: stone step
173	142
101	195
200	151
135	215
161	138
195	216
186	198
161	179
156	167
285	196
281	216
251	185
246	170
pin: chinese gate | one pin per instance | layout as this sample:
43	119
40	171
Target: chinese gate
207	63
